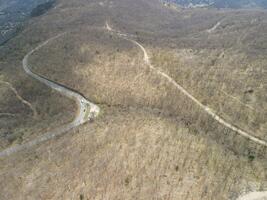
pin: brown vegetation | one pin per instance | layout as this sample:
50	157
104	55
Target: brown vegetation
130	154
150	140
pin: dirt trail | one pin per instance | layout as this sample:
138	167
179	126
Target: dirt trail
7	115
249	196
86	109
25	102
212	29
237	100
180	88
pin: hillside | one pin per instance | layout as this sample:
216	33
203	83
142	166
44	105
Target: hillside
181	92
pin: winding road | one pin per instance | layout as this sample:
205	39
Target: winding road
181	89
86	109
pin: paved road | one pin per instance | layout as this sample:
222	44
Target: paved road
86	109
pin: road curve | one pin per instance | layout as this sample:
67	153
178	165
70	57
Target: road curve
86	109
180	88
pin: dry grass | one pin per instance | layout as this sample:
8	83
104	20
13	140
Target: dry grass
228	82
150	141
111	71
130	154
52	109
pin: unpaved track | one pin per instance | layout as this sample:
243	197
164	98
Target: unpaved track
249	196
86	109
214	27
24	101
237	100
180	88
